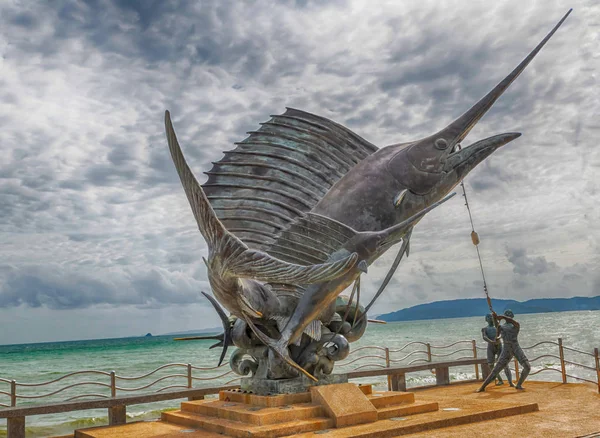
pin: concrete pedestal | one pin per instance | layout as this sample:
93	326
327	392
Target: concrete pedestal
339	411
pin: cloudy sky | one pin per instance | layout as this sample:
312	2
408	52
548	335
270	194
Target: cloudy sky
96	236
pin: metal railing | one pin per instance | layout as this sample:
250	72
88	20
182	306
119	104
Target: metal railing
426	352
421	352
397	374
112	383
563	363
377	356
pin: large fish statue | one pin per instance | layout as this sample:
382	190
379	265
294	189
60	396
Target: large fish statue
243	279
299	209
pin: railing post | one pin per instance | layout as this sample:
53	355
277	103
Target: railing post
13	393
428	352
399	382
387	365
113	384
597	357
516	369
442	376
15	427
485	370
561	353
190	384
474	343
116	414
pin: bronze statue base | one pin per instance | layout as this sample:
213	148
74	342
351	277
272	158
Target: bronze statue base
288	386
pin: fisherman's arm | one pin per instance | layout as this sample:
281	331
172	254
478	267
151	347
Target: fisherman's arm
485	338
510	320
498	326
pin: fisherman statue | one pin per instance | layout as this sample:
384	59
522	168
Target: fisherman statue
494	347
299	210
509	333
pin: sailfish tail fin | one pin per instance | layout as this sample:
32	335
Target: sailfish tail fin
227	337
209	224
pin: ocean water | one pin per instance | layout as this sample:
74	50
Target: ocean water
34	363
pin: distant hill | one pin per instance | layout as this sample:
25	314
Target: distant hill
196	332
478	307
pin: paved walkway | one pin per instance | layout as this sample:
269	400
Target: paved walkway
566	410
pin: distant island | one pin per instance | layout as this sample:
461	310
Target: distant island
478	307
463	308
196	332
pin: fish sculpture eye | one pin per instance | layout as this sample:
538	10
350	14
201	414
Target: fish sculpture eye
441	144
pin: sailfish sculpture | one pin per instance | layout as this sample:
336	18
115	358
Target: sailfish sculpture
297	212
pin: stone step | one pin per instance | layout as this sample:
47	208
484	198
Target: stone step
469	412
257	415
387	398
366	388
144	429
345	403
239	429
406	409
239	396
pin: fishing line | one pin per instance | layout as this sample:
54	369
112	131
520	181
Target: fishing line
475	240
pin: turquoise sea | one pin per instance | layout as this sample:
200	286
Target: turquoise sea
33	363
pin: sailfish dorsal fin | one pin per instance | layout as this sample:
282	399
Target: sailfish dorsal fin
279	173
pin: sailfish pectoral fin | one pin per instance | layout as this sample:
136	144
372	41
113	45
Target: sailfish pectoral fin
263	267
279	347
402	231
397	232
403	250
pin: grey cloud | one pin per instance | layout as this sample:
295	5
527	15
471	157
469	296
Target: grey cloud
120	155
201	33
519	283
417	291
104	175
428	269
24	19
490	176
56	287
528	265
